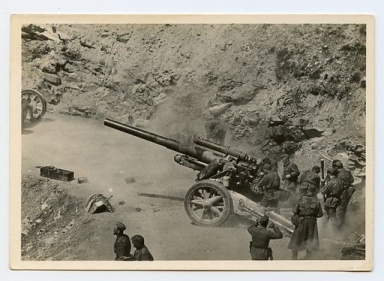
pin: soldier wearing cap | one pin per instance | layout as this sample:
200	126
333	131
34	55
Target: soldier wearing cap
122	245
306	236
261	235
290	175
309	178
332	197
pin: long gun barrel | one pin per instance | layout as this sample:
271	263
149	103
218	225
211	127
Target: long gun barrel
197	152
225	150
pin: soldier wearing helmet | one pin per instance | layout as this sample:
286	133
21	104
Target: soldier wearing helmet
141	253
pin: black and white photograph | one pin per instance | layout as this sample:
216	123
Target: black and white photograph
200	142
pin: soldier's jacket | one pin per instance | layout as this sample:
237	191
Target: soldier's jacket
270	182
310	177
332	192
260	241
122	247
346	177
292	170
308	206
143	254
269	161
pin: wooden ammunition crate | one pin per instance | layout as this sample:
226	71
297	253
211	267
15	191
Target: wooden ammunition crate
56	174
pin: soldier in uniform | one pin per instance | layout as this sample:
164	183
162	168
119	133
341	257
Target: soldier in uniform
309	178
332	198
269	184
269	161
305	236
261	235
122	245
141	253
215	131
290	175
349	189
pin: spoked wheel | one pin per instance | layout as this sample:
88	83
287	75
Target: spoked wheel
35	105
208	203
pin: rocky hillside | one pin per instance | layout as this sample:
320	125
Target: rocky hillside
307	79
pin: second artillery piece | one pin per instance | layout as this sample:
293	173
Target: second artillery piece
222	170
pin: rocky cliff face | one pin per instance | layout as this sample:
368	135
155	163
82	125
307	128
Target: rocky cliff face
277	88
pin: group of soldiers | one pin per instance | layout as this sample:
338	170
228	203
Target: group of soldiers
336	190
122	246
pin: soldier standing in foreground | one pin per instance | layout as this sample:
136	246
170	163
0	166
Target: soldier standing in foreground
290	175
259	246
305	236
122	245
141	253
310	178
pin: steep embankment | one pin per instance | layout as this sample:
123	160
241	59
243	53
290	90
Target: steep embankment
311	78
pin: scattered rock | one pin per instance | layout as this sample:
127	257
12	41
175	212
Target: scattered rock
44	206
219	109
239	95
82	180
87	43
141	123
52	79
313	132
130	180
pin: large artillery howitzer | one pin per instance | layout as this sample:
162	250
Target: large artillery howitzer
221	170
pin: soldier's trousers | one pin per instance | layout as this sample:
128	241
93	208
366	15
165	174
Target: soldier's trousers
336	216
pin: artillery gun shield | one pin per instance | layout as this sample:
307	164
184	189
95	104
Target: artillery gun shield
208	203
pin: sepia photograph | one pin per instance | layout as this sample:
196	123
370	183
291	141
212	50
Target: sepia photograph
192	142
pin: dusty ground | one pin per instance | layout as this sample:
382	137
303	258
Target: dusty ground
106	157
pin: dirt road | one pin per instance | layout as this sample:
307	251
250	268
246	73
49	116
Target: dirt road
106	157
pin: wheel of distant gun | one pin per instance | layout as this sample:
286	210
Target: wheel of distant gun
208	203
36	104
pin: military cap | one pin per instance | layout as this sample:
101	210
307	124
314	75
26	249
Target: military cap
316	169
120	226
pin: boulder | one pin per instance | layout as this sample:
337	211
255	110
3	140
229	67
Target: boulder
217	110
141	123
313	132
239	95
251	118
52	79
